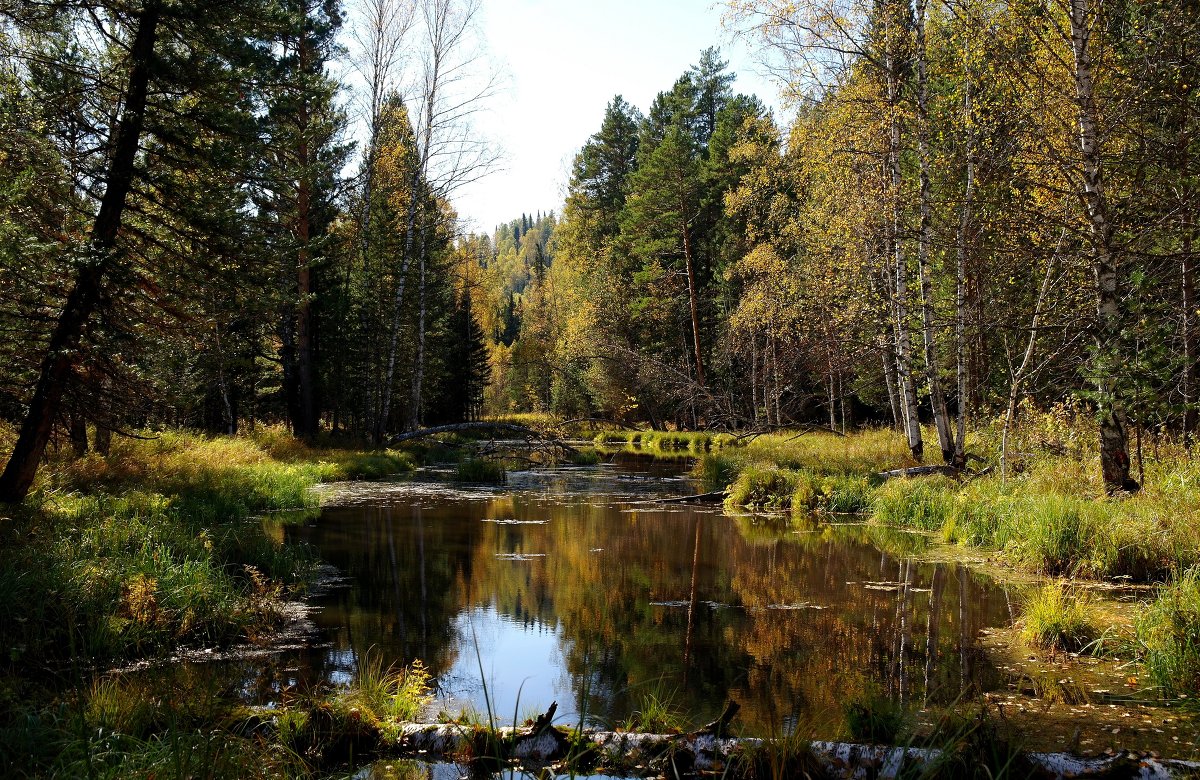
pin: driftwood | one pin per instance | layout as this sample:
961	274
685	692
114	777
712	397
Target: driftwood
921	471
715	497
522	431
539	744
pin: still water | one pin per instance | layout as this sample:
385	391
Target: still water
571	585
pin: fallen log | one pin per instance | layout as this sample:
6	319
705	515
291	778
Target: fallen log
539	744
715	497
520	430
655	754
921	471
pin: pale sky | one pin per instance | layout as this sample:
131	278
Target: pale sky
564	60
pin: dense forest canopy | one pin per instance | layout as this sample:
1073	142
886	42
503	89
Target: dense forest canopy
972	205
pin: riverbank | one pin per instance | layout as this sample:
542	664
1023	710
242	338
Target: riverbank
159	545
150	516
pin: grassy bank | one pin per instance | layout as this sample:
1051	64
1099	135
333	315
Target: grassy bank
667	442
160	544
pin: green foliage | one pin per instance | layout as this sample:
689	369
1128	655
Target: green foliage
486	470
387	693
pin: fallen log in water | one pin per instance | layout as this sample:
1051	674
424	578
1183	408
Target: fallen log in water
523	431
715	497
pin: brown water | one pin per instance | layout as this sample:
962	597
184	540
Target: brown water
570	586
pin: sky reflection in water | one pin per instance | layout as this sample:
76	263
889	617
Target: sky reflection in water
569	586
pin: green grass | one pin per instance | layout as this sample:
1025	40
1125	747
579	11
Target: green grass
158	544
656	713
668	442
588	457
1169	635
485	470
1054	618
388	693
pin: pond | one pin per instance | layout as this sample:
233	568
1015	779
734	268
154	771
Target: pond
572	585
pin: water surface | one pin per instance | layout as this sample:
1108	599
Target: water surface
570	585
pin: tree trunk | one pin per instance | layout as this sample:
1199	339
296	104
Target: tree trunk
963	379
305	423
937	398
414	412
103	439
81	303
693	302
904	347
1191	349
77	428
1114	440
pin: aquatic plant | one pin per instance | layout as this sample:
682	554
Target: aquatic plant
1168	632
656	713
1056	618
486	470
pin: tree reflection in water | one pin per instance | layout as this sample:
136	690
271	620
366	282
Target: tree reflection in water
595	602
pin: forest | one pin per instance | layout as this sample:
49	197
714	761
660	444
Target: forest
191	237
976	208
973	208
932	320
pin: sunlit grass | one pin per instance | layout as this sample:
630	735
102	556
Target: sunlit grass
1169	635
1055	618
158	544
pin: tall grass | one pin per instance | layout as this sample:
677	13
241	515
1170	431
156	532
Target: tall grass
1054	618
1169	633
157	544
669	442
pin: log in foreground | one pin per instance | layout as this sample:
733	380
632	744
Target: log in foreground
683	754
920	471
